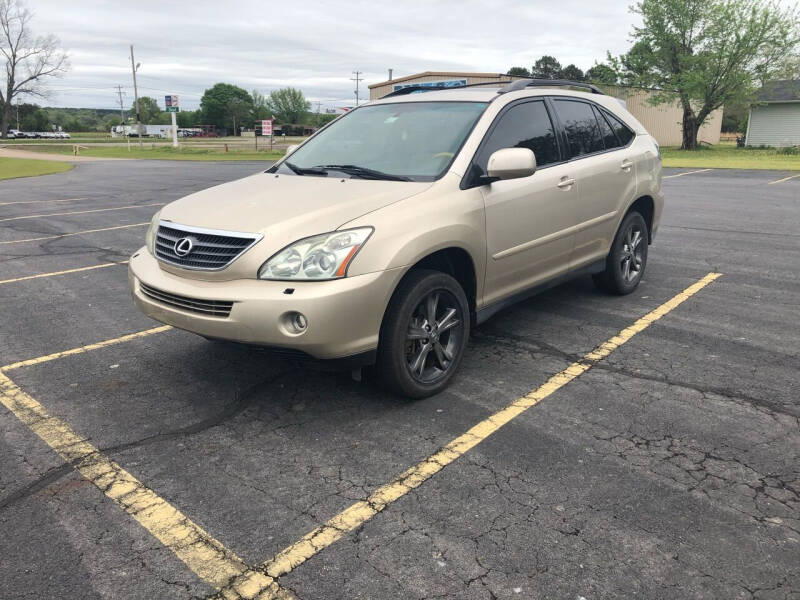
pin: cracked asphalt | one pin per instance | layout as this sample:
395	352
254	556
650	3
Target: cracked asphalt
671	469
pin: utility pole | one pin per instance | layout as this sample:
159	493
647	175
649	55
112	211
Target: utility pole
357	79
134	67
17	114
121	106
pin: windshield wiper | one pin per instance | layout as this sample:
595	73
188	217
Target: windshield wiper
305	171
363	172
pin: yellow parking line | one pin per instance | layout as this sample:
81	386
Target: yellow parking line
100	266
202	553
784	179
686	173
360	512
80	212
89	347
63	235
37	201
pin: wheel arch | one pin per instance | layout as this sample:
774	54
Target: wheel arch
644	205
454	260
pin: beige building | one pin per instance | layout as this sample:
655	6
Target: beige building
663	121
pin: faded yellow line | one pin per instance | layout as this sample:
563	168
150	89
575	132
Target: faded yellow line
784	179
88	348
78	270
63	235
202	553
80	212
38	201
686	173
360	512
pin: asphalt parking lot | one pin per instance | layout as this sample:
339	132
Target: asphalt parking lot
163	465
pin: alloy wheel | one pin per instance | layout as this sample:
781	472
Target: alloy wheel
631	256
433	336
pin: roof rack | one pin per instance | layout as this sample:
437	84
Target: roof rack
434	88
521	84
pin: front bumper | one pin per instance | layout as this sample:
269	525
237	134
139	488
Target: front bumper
343	315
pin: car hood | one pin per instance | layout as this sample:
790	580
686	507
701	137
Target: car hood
286	208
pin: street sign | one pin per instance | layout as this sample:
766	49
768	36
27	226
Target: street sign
266	126
171	102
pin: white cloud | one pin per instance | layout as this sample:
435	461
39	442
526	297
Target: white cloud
185	47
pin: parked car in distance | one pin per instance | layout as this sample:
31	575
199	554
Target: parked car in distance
393	231
11	134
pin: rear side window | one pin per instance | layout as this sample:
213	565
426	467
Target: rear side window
525	125
580	124
623	132
609	137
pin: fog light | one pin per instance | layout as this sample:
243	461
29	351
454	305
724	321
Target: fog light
299	321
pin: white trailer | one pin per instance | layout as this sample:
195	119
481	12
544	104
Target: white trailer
162	131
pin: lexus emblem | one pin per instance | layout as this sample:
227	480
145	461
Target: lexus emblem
184	246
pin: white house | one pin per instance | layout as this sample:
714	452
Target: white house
775	120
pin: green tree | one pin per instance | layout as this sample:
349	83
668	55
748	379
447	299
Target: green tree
572	73
188	118
321	119
601	73
546	67
519	72
73	124
705	53
149	110
216	104
239	112
288	105
260	106
37	120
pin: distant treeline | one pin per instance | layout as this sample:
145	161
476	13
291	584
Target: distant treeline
227	107
32	117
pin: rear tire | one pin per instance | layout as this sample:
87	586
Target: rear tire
424	333
627	258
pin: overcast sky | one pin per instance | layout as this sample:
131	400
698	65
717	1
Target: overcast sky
187	46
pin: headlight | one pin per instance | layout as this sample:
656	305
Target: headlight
150	237
325	256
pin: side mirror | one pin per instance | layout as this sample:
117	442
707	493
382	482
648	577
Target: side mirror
290	149
511	163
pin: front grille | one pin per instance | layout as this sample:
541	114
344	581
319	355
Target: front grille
208	249
212	308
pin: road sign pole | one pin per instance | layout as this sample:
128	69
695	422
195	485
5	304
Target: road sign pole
174	130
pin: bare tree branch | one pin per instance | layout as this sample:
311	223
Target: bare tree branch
29	60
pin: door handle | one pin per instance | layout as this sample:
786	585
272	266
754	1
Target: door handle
626	165
566	182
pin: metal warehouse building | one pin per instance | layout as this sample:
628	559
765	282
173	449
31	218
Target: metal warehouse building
775	120
663	121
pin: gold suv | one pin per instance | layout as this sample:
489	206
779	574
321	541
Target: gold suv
391	232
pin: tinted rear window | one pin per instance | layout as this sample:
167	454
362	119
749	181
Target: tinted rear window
623	132
609	137
580	124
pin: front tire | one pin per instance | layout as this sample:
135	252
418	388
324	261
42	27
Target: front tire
627	258
424	333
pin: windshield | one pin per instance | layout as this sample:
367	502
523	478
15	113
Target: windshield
407	141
